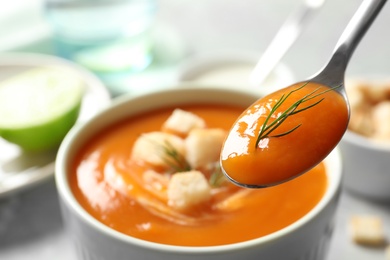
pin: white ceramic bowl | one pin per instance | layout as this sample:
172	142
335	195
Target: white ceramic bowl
307	238
366	166
366	161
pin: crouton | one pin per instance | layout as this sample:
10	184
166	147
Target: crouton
387	252
375	92
361	122
381	120
187	189
356	96
367	230
182	122
203	146
152	148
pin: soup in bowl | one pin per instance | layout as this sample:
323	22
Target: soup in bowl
141	180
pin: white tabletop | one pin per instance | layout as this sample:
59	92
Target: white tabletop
30	221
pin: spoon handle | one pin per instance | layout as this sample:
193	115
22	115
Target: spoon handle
333	73
283	40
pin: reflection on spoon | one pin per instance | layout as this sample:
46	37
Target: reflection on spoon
316	115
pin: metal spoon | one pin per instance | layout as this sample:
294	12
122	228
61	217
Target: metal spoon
283	40
333	72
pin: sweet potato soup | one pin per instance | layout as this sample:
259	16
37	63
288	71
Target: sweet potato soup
294	128
157	177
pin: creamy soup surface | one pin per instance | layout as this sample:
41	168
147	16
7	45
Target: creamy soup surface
149	179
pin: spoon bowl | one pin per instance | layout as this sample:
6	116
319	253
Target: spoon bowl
331	76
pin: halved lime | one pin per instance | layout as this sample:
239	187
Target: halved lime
38	107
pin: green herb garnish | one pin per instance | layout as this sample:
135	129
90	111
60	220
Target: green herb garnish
267	129
217	177
174	159
178	163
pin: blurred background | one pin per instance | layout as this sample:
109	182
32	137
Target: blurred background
174	30
170	33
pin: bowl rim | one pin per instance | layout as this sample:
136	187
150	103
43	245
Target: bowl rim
197	64
365	142
39	59
67	196
200	62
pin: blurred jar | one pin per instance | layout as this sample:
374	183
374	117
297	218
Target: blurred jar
105	36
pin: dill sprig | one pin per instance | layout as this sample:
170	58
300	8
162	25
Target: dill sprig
178	163
267	129
172	157
217	178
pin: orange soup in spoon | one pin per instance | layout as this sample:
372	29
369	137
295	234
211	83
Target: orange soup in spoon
273	140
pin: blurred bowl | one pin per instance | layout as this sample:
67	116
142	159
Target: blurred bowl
232	69
366	158
366	166
307	238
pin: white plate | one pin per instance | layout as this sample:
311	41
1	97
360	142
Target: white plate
18	169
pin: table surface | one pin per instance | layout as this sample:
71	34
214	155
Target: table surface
30	221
